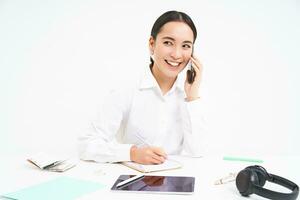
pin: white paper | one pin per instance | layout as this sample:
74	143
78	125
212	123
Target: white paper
167	165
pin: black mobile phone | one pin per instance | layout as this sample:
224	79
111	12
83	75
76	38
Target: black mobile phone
191	75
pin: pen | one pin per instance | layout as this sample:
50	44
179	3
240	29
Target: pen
229	158
231	177
130	180
142	139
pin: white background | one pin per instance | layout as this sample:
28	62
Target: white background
59	58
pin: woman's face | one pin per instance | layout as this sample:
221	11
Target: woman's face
172	49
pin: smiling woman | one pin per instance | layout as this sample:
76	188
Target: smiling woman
160	116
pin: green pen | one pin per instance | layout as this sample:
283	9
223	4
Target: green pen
230	158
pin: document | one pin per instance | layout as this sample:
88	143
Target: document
167	165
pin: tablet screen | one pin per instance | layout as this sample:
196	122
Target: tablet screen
161	184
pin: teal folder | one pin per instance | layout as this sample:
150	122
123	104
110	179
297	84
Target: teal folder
62	188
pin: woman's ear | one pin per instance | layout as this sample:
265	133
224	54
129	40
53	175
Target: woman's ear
151	45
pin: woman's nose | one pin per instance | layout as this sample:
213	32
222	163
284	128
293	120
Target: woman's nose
176	53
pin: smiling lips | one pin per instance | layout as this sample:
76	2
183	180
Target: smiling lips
173	64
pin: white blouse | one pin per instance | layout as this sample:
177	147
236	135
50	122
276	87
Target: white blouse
142	114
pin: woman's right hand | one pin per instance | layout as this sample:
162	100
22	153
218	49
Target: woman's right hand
147	155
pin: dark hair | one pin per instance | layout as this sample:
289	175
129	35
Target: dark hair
171	16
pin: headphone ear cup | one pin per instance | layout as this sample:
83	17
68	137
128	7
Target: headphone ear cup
261	174
262	177
245	181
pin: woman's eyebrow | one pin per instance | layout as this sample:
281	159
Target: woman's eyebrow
187	41
170	38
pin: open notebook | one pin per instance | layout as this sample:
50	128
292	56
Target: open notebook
167	165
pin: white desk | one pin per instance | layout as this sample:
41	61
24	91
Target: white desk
16	173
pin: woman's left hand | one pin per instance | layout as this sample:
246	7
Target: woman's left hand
192	90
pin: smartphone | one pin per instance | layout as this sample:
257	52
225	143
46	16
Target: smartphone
191	74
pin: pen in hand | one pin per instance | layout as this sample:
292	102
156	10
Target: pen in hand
144	142
147	153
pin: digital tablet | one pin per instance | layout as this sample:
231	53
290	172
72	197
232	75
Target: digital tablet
157	184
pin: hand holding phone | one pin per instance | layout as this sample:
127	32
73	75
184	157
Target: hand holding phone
193	79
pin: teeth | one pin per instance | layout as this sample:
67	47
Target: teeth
175	64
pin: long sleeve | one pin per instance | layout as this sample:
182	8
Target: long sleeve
194	128
99	143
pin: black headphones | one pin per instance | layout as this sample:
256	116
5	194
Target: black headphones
252	179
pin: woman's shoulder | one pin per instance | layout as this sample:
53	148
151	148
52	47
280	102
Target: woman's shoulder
128	85
126	88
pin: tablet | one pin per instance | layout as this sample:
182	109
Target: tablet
157	184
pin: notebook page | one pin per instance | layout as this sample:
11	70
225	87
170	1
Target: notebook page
167	165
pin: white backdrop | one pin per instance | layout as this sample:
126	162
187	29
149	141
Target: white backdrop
59	58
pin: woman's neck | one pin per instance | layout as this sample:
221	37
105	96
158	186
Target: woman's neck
165	83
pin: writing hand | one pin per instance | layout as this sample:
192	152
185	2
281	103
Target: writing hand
147	155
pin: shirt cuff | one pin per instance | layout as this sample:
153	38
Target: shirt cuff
123	152
194	106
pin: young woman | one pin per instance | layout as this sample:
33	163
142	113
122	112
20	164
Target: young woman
160	116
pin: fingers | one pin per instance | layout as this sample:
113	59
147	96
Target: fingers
197	67
196	63
148	155
196	59
157	158
160	152
157	155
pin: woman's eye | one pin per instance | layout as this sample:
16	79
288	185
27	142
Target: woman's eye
168	43
186	46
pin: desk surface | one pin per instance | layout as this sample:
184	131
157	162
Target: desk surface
16	173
